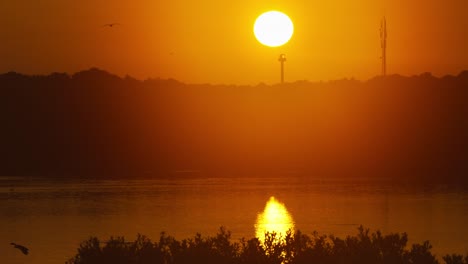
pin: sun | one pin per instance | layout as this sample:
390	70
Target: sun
273	28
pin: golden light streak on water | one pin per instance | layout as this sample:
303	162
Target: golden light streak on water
274	218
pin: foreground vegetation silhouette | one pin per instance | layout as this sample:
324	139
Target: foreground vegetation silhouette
293	248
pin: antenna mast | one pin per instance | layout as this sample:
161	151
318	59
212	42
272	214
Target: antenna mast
383	44
282	59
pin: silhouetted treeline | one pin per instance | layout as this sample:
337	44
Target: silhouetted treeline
96	123
293	248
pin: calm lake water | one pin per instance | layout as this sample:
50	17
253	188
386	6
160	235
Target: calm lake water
53	217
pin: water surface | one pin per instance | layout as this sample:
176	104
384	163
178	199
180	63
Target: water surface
52	217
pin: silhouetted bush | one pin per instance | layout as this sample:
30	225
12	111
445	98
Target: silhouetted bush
293	248
455	259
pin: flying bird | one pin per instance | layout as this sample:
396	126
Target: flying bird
23	249
111	25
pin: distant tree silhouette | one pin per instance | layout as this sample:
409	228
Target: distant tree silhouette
96	123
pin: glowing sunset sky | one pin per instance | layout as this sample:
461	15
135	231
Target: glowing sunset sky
207	41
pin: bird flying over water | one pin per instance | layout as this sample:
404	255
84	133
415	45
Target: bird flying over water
23	249
111	25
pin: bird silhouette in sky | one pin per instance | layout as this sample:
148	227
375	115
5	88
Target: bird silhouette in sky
23	249
111	25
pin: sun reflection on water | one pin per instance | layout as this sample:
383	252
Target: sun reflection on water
274	218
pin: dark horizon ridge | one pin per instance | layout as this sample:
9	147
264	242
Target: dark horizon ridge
129	77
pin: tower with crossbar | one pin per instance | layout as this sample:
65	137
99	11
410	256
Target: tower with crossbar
282	59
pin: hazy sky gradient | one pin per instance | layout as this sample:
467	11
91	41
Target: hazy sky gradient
212	41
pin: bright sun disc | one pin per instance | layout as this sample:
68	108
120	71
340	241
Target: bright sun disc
273	28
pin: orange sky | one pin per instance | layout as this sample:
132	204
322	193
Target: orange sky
208	41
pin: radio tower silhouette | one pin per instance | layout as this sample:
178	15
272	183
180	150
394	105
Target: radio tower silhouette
383	44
